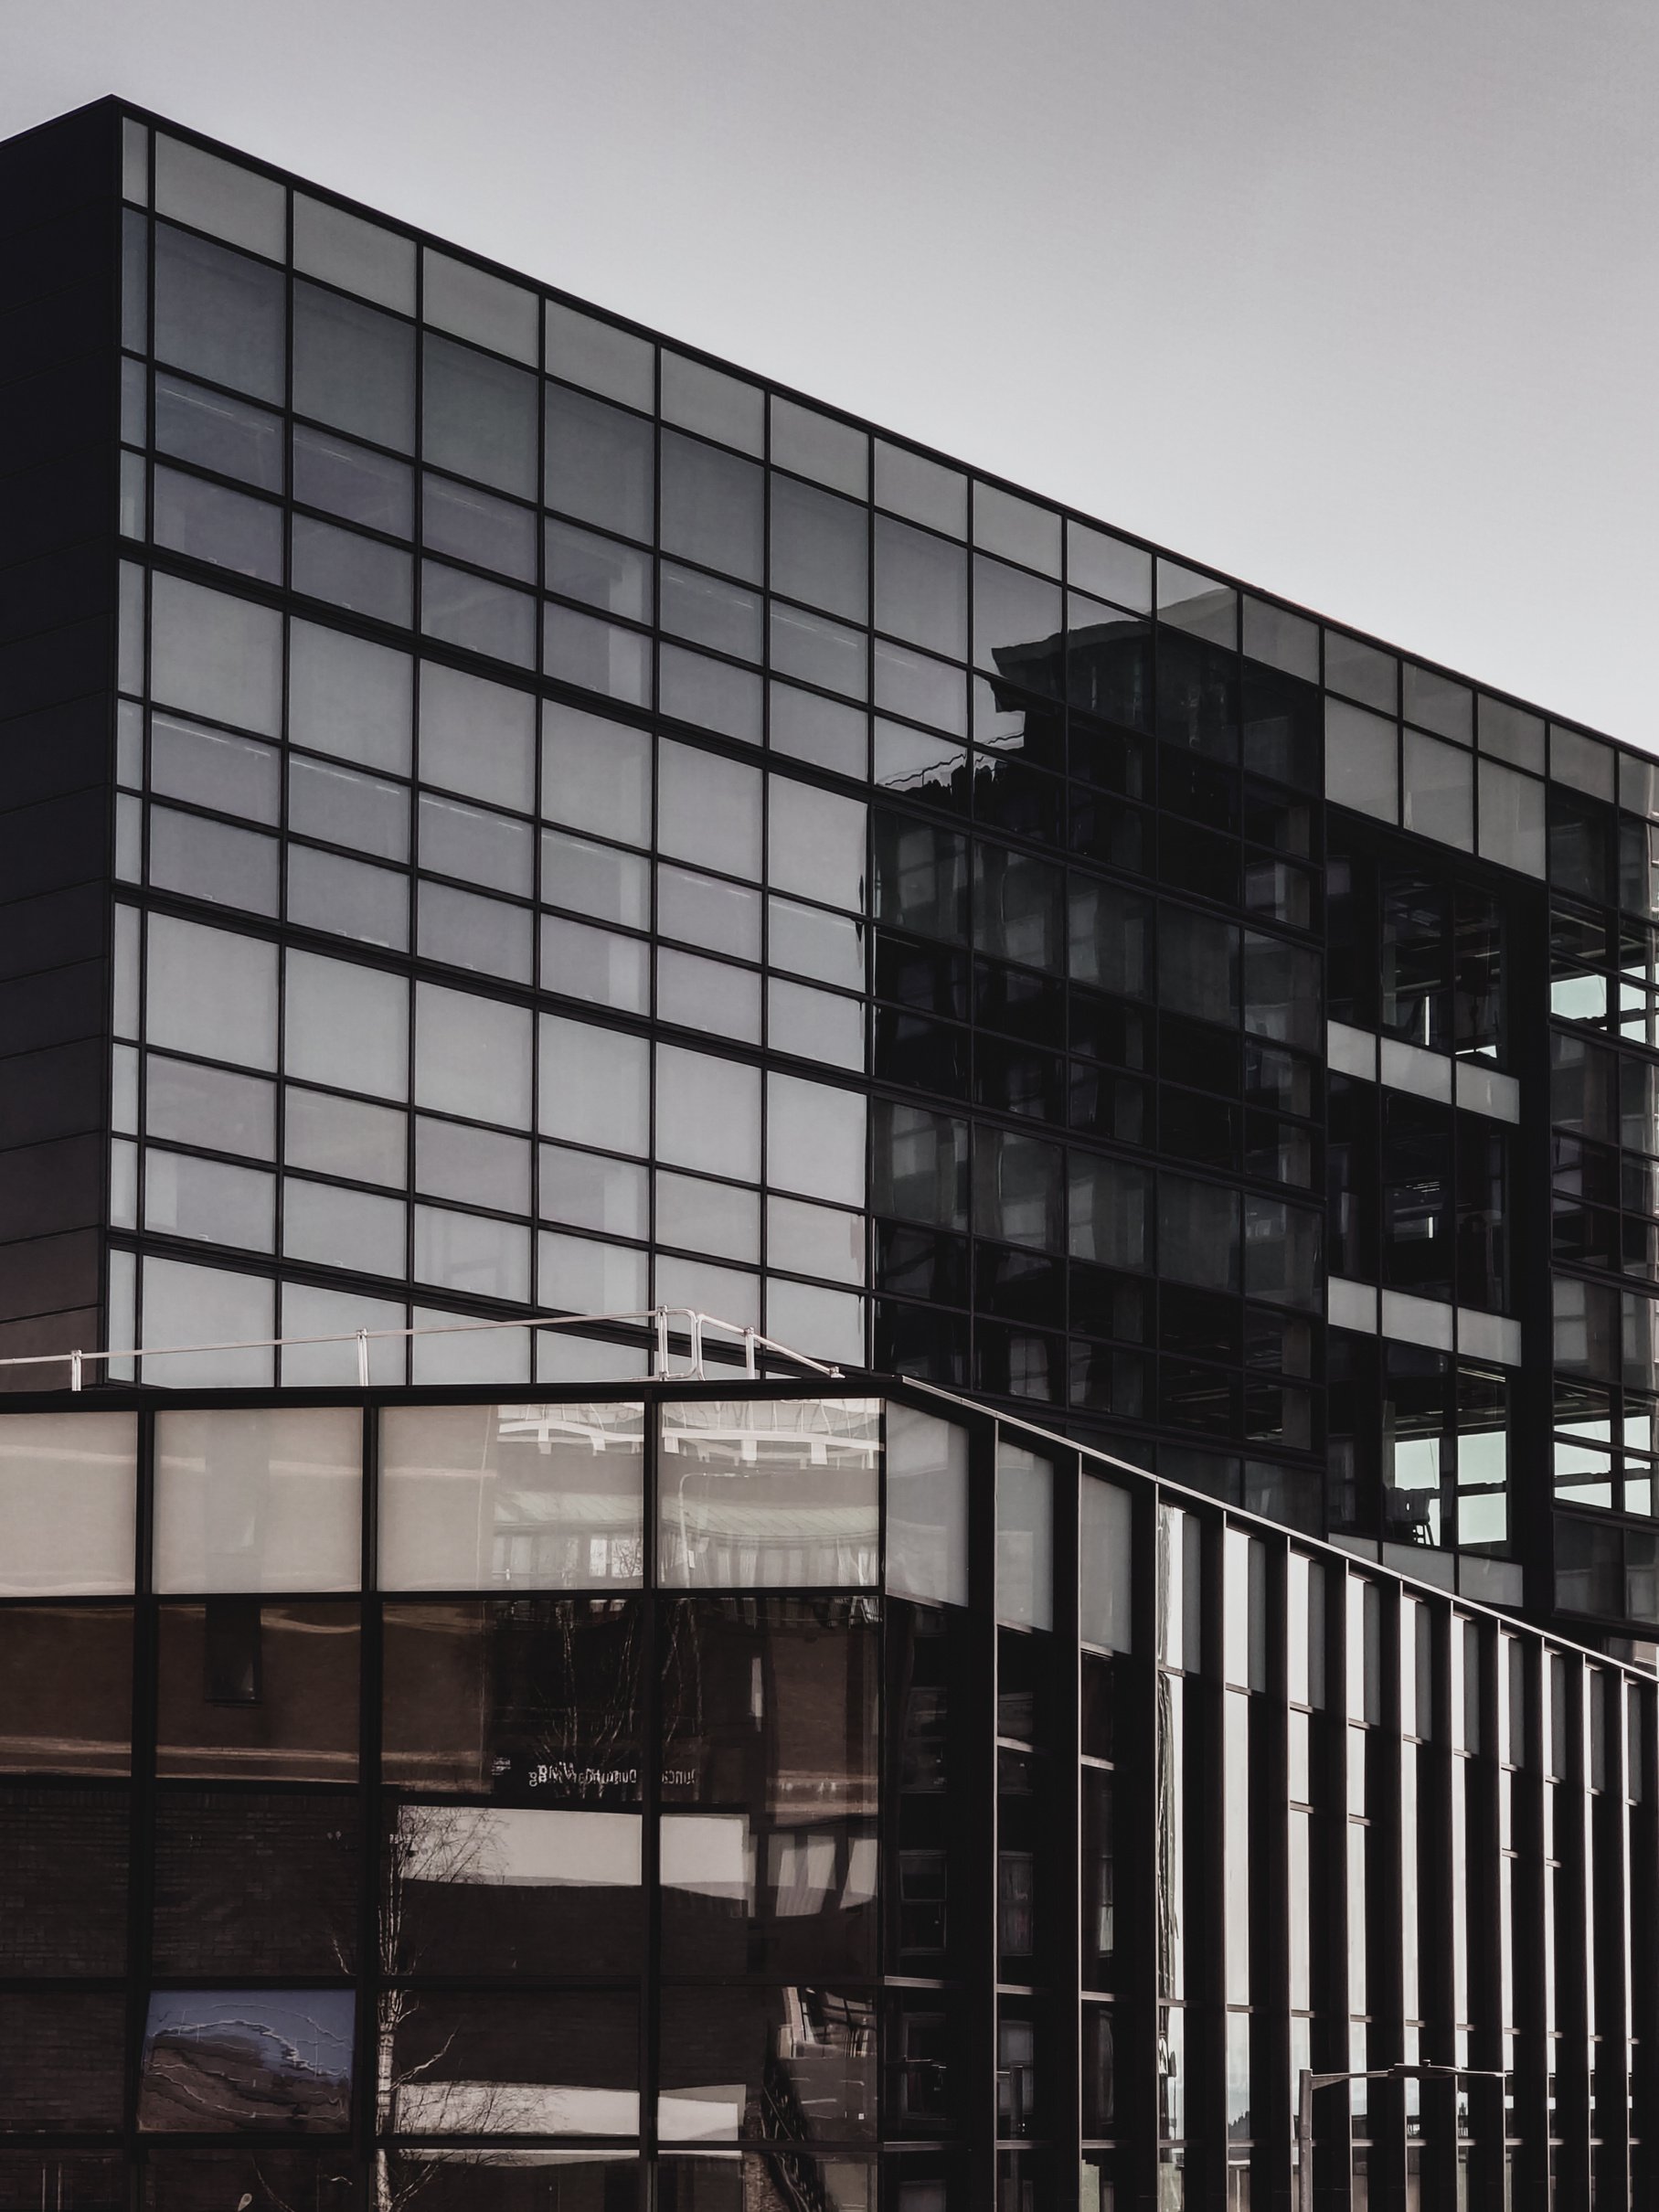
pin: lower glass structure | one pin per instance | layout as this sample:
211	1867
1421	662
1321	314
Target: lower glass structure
724	1794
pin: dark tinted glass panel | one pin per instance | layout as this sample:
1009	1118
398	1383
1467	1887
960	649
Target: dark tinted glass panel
515	2181
61	2062
70	2181
66	1689
354	367
810	2051
1016	626
921	876
599	462
459	2063
533	1700
220	314
480	417
820	548
256	1688
769	1723
350	480
711	507
490	1890
63	1895
261	2180
255	1883
219	433
1197	696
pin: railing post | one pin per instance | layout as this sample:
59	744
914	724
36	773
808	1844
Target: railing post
749	1354
363	1359
74	1370
662	1343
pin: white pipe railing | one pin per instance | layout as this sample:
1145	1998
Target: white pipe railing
658	1318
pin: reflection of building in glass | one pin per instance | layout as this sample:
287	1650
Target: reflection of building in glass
505	816
975	1820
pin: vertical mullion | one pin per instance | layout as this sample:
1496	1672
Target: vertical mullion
371	1966
141	1865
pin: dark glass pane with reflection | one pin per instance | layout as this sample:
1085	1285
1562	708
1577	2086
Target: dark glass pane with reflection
1109	663
260	1689
259	2180
354	366
527	1700
1098	1692
1283	728
67	2181
255	1883
63	1893
513	2181
760	2180
794	2064
921	1264
911	1340
223	2062
495	2062
66	1689
491	1890
769	1785
62	2062
220	314
353	481
1197	696
230	436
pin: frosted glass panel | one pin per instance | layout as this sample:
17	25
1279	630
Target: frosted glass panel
511	1498
927	1507
1025	1537
68	1488
779	1494
258	1500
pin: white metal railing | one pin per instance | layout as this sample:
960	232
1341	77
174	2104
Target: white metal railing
657	1320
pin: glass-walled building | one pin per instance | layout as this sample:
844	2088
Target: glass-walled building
731	1797
503	815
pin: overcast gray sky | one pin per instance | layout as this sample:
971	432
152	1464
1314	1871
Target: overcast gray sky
1357	298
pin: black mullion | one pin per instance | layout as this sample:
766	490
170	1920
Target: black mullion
370	1803
141	1869
650	1603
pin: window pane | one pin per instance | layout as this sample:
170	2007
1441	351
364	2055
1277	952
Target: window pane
68	1498
208	1199
352	570
708	1114
463	608
921	588
211	992
599	571
509	2063
477	738
353	481
343	1227
257	1501
588	1191
523	1497
584	350
1197	1233
354	367
220	314
196	2075
346	1024
710	810
69	1676
343	249
345	1137
471	1253
211	768
1025	1536
471	1057
595	1085
228	436
820	549
769	1495
349	898
212	861
258	1690
476	1166
1105	1559
600	463
365	813
350	698
479	416
216	656
255	1882
498	1889
211	1106
927	1532
212	194
711	507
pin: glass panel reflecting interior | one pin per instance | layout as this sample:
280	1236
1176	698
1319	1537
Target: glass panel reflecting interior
531	1497
775	1494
